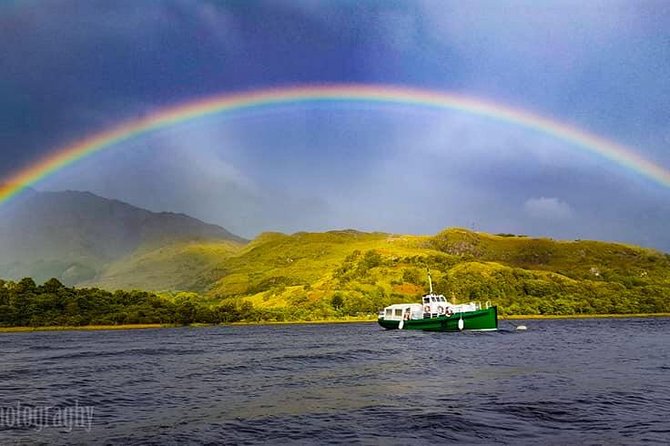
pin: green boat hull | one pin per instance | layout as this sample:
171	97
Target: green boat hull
486	319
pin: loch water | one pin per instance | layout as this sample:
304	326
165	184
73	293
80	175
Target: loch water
588	381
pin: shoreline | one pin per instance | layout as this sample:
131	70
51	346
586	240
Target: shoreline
24	329
582	316
325	321
352	320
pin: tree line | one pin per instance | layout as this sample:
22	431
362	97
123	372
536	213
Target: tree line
25	303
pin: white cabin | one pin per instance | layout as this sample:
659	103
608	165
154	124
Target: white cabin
398	312
432	305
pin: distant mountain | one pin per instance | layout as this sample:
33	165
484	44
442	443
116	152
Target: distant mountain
75	236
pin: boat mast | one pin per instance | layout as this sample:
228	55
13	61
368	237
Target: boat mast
430	281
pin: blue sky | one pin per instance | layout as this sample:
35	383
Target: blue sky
71	68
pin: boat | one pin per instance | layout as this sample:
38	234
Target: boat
436	313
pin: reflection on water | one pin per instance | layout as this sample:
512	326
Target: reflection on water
561	381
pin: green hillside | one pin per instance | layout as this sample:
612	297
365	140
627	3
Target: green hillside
345	274
85	240
341	273
175	267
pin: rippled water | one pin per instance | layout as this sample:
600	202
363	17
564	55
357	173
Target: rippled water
601	381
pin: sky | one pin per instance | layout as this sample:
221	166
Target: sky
70	69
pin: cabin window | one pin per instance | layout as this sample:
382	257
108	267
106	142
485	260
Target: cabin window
389	312
432	298
398	312
426	300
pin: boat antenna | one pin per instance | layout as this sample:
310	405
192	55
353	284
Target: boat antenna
430	281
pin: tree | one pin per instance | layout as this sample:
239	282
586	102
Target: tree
337	301
52	285
413	276
26	285
226	312
185	312
371	259
246	310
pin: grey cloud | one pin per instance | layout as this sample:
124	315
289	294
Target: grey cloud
547	208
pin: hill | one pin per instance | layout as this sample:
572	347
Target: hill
80	238
338	273
172	267
75	236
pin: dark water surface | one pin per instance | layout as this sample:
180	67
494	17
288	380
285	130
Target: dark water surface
604	381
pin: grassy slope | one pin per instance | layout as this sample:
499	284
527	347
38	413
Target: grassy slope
277	270
173	267
273	267
572	258
369	270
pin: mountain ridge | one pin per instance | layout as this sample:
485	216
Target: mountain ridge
73	235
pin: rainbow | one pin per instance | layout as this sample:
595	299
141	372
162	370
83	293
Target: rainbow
229	103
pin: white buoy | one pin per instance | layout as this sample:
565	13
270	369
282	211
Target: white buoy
460	324
521	327
401	324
